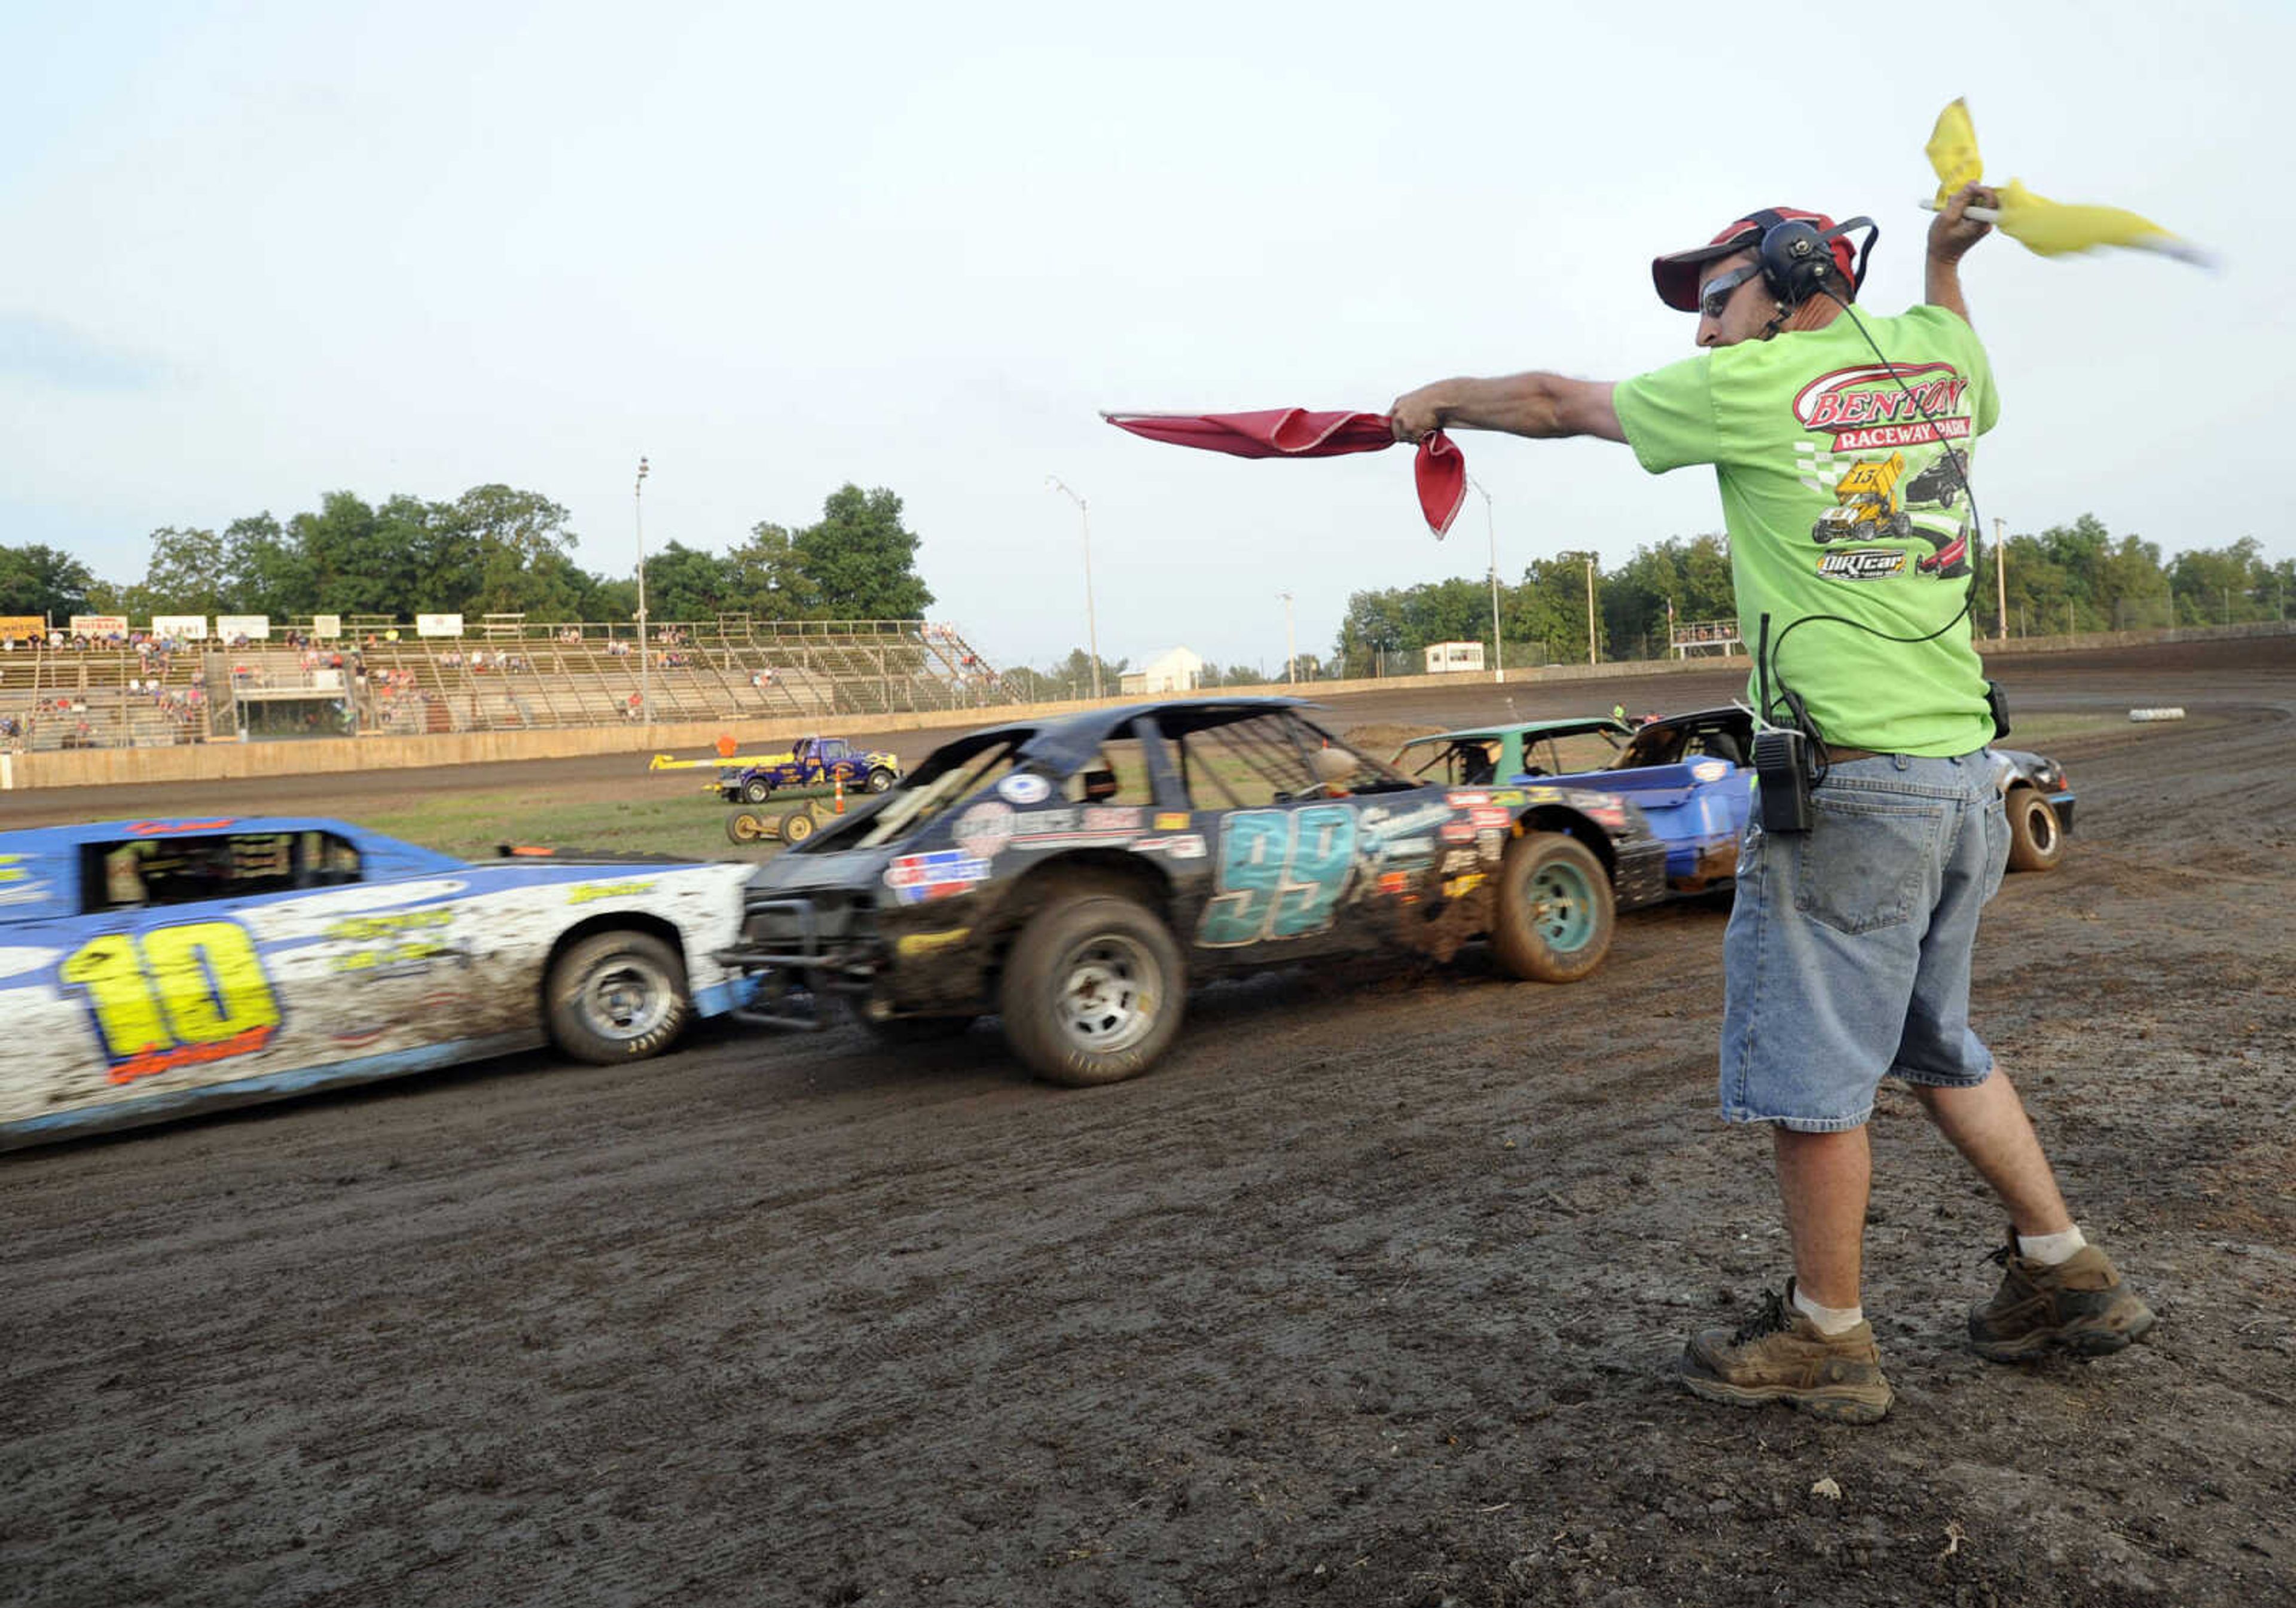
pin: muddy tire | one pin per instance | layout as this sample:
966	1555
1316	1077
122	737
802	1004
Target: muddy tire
880	780
1554	912
757	790
745	826
797	826
1094	989
2037	841
616	997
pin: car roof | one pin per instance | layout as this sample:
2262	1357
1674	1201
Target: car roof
1069	742
48	839
1727	712
1532	728
39	867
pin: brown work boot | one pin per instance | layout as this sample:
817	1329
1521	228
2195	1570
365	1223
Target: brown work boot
2081	1306
1780	1356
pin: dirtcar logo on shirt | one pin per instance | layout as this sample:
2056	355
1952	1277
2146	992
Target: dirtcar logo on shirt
1863	564
1867	406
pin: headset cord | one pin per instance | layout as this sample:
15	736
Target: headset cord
1969	596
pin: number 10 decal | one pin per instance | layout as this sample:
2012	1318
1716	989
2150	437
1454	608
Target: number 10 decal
183	996
1281	873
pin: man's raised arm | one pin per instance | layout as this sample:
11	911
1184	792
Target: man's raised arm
1952	232
1546	406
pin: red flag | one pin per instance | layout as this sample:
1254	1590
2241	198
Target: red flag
1441	469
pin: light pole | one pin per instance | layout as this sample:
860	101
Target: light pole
645	662
1091	627
2001	575
1291	655
1590	608
1498	659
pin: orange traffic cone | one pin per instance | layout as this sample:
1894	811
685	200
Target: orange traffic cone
840	793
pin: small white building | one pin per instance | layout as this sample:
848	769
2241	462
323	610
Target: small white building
1443	657
1174	670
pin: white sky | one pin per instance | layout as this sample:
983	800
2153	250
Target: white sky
261	251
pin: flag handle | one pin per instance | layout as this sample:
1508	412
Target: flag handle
1981	214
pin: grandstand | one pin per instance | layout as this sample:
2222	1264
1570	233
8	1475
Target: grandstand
377	677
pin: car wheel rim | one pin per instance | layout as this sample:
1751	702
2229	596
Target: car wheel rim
1561	906
626	998
1109	996
2041	829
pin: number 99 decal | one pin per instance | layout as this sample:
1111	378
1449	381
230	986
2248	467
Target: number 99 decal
180	996
1281	874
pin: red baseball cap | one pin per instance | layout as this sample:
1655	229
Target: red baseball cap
1677	275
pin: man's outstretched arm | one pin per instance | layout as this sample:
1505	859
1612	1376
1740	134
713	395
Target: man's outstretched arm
1545	407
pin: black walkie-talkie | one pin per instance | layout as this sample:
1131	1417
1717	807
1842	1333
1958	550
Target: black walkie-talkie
1781	756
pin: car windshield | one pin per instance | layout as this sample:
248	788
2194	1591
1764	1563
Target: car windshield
1675	742
1274	757
1570	753
956	772
1464	761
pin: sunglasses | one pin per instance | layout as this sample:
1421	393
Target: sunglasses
1719	290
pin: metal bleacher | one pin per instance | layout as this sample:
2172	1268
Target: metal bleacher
507	674
105	695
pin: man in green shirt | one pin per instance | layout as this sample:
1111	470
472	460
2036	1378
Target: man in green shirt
1841	445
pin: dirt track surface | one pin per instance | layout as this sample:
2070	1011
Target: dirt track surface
1367	1295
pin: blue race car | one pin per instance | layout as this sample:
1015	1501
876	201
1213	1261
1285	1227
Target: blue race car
1687	775
149	968
1692	775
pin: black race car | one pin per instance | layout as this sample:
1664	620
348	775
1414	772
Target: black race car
1075	876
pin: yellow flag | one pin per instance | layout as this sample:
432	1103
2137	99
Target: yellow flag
2053	228
2045	227
1953	151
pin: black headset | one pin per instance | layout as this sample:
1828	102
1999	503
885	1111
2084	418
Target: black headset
1796	256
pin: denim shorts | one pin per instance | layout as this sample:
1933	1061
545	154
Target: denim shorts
1847	953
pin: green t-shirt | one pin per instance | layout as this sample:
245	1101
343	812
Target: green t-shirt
1840	501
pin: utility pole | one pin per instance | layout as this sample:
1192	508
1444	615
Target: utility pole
1590	608
1091	624
645	662
1291	654
1498	655
2001	575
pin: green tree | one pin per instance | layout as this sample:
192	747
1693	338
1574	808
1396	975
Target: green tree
859	561
360	560
684	584
1072	677
497	550
1550	606
186	574
1691	574
2223	585
764	579
39	579
264	573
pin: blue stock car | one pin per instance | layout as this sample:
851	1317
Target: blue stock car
1691	775
149	968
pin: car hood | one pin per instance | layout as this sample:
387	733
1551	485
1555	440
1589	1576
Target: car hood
786	874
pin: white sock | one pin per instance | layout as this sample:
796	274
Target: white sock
2051	1249
1830	1320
